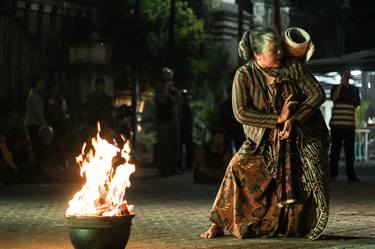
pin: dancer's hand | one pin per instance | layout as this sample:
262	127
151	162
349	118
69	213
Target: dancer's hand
287	130
287	110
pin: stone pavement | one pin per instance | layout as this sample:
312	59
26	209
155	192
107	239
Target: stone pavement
171	212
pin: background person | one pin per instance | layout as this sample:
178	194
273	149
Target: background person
345	99
8	169
212	158
100	106
21	149
35	116
167	99
57	112
186	120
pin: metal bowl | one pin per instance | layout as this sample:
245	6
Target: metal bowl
99	232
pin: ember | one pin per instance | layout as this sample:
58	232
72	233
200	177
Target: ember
104	191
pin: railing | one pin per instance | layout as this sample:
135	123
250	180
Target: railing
365	144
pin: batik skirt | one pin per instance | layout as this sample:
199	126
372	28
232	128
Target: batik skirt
280	189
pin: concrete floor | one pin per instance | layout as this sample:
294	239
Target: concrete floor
171	212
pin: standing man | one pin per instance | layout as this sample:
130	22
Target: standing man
35	119
100	106
345	99
34	107
167	99
186	120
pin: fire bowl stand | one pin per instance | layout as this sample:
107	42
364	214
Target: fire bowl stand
99	232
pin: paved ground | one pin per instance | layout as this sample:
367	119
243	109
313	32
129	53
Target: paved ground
171	212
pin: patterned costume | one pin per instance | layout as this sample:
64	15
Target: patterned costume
275	186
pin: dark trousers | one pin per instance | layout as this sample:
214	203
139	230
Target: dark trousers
338	136
33	131
187	158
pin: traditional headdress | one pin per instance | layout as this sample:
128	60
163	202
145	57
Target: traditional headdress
244	47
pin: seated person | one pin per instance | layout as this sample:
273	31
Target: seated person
53	163
47	155
212	158
19	145
8	169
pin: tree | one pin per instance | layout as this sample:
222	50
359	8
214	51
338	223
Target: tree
215	76
201	8
188	38
117	18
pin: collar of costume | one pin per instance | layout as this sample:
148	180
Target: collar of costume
278	73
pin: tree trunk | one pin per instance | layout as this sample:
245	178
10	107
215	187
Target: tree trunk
171	33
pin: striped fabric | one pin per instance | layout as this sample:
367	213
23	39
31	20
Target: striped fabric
343	110
343	115
250	102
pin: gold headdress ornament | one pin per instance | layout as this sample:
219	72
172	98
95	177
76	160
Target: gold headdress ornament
298	43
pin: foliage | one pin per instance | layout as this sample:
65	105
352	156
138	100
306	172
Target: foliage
148	116
198	64
118	21
214	71
360	114
188	37
202	8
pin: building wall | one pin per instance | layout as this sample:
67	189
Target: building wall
34	39
263	14
18	58
224	28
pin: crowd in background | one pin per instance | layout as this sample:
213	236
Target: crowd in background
176	151
44	147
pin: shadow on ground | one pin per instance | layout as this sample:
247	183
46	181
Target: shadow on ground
340	237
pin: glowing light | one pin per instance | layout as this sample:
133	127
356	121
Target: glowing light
356	72
104	191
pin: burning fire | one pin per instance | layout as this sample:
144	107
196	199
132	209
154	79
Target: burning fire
104	190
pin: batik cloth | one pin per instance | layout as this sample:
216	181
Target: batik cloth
271	186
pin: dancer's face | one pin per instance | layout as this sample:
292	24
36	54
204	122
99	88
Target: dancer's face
271	55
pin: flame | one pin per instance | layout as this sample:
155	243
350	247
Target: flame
104	191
